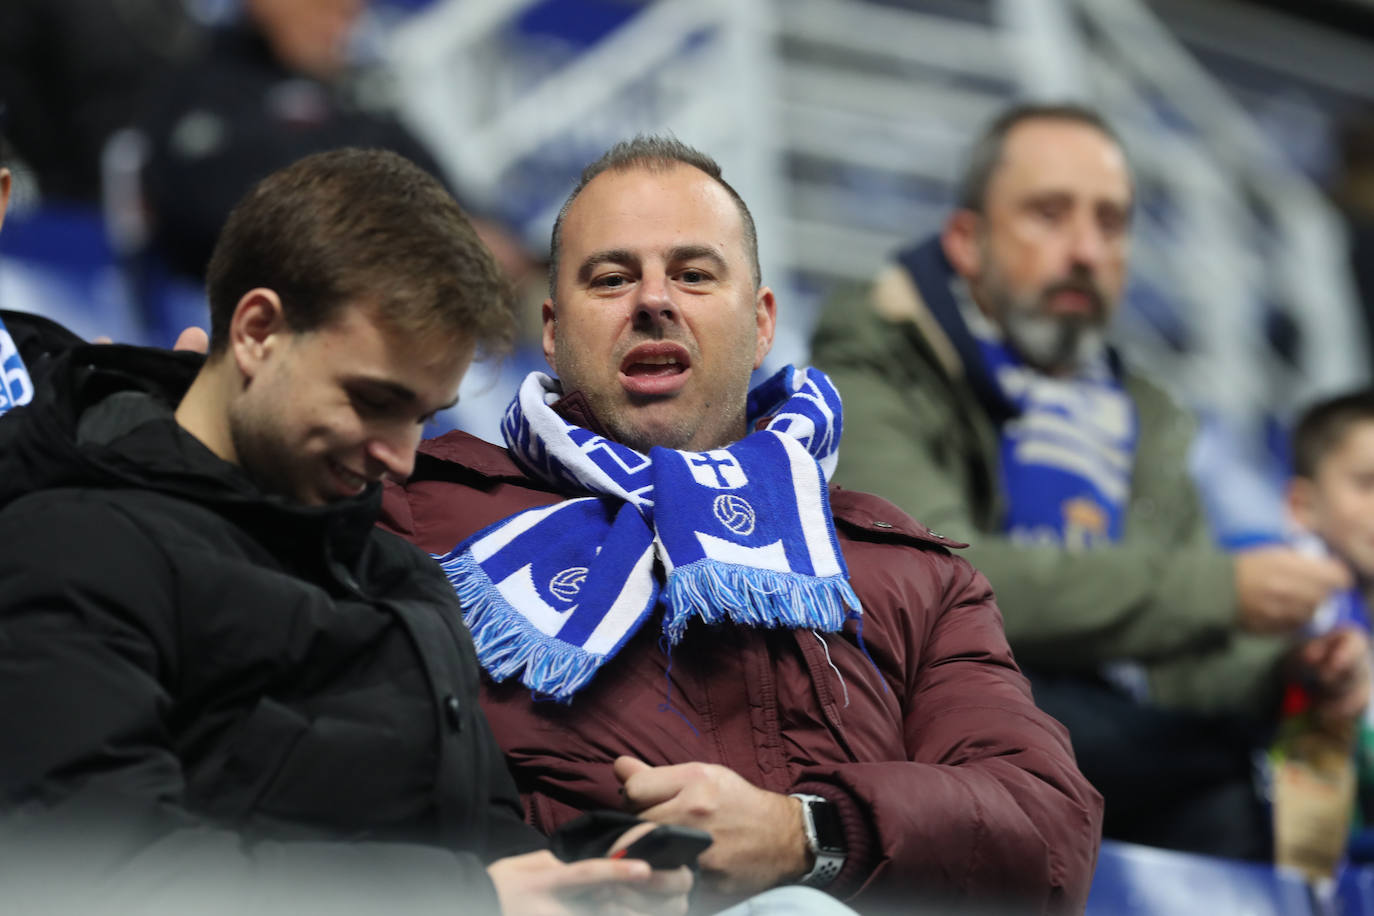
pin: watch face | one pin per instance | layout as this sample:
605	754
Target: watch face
829	831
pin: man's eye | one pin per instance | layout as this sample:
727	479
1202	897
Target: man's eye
369	403
1112	223
693	276
610	281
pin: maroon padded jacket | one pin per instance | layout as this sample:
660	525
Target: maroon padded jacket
952	786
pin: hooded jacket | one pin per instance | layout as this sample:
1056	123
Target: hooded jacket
951	786
200	682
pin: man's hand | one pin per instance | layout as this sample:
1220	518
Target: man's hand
1278	589
1337	663
538	884
192	338
665	891
758	838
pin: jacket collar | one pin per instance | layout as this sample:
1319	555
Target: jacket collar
494	461
932	274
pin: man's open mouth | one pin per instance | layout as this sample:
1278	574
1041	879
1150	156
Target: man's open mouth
655	368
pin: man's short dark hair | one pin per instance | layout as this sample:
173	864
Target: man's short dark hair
360	227
1324	426
656	154
986	154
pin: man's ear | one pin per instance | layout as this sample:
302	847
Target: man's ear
257	330
1302	503
960	241
766	321
550	335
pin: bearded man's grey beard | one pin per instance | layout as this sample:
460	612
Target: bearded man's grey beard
1053	344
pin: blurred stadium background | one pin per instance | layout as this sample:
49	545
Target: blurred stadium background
842	122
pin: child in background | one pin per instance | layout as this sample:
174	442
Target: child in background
1325	745
1331	499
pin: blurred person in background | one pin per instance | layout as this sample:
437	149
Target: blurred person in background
806	673
74	71
274	85
1331	503
28	342
1353	191
222	688
981	396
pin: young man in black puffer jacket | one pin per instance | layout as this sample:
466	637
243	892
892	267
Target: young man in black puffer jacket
221	687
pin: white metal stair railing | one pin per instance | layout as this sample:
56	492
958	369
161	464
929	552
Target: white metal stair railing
906	111
912	118
1299	261
699	69
893	96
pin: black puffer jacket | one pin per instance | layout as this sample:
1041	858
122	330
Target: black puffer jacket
216	683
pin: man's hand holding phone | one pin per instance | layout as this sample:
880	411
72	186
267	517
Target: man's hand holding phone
665	846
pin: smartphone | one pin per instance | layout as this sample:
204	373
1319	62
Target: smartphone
667	846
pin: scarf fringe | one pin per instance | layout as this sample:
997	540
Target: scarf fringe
746	595
507	643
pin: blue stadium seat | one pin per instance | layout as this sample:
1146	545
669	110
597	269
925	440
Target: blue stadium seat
1141	881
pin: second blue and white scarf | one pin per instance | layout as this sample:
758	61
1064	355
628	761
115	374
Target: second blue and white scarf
1066	458
1066	462
742	533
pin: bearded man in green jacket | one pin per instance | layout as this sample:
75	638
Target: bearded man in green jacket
980	396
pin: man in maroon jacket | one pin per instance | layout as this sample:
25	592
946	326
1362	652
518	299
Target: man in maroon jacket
880	743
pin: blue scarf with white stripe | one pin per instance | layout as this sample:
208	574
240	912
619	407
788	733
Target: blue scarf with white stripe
1067	456
1066	463
742	533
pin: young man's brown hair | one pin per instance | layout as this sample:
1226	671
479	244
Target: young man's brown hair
355	226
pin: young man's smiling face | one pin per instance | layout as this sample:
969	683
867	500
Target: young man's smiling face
656	318
326	412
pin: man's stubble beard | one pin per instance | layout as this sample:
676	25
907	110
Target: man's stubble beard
642	433
261	453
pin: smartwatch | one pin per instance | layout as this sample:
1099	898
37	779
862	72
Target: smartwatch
824	837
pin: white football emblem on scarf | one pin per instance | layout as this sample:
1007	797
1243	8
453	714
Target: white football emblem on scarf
718	470
735	513
568	583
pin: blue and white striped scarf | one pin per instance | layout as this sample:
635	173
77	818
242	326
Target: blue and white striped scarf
1066	463
1066	459
742	533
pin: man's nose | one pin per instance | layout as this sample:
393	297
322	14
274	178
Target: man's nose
395	452
654	303
1087	245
